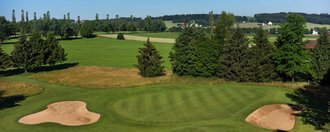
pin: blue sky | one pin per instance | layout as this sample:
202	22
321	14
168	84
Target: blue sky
141	8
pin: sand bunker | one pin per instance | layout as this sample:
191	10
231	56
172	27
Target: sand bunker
69	113
274	117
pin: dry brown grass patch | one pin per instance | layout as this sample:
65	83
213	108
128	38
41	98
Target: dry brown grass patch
99	77
292	85
106	77
12	88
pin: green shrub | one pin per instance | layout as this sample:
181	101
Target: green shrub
120	36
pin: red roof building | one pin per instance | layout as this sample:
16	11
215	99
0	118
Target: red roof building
311	45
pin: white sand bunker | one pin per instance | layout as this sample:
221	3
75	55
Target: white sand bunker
274	117
69	113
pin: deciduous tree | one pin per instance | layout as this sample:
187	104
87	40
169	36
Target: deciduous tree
290	58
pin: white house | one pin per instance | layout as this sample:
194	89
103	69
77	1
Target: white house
315	32
270	23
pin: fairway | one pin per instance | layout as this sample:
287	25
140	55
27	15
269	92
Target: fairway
171	107
105	52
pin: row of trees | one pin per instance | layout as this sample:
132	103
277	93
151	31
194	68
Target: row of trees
280	17
33	52
68	28
129	24
226	52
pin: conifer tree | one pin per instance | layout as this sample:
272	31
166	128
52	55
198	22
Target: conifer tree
261	63
5	61
13	19
27	16
321	56
68	16
211	19
24	55
53	52
182	56
48	15
150	61
290	58
233	60
35	16
206	52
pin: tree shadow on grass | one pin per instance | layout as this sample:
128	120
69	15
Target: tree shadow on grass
3	43
10	101
313	101
12	72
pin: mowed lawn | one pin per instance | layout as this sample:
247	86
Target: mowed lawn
105	52
165	107
196	105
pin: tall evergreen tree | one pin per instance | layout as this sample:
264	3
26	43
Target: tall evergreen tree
206	52
97	17
233	61
35	16
183	56
321	56
38	45
68	16
290	58
27	16
48	15
211	19
261	62
108	17
24	55
22	16
150	61
53	52
13	16
5	61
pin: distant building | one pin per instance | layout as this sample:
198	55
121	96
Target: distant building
270	23
263	24
311	45
315	32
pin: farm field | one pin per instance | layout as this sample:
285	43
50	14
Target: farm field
169	103
255	25
172	35
171	38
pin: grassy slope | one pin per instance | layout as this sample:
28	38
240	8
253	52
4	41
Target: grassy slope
165	107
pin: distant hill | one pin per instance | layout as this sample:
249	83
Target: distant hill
261	18
280	17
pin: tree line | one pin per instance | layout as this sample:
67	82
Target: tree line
261	18
33	52
225	52
280	17
68	28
